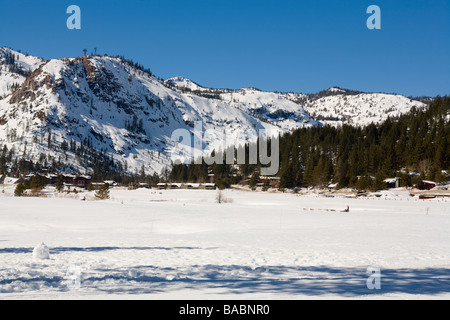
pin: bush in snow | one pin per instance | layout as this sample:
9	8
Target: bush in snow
103	192
221	199
20	189
41	252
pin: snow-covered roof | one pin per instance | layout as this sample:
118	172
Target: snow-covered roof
194	185
269	177
10	180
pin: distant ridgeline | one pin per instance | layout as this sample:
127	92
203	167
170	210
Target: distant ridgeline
360	157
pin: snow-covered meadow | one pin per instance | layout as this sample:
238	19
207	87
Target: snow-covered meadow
182	244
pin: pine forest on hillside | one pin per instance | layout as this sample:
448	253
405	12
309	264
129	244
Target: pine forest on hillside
353	156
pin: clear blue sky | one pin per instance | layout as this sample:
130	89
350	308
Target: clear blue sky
302	46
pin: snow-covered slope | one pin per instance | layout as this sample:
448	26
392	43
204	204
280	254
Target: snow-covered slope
334	106
14	67
269	107
129	115
272	107
359	109
184	83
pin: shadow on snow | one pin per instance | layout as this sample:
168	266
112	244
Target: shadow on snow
312	281
58	250
235	279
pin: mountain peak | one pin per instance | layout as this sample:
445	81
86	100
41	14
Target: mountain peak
336	90
184	83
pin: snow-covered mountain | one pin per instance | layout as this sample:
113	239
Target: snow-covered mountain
334	106
127	114
339	106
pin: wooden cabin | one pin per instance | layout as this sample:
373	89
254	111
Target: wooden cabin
82	181
209	186
425	185
161	186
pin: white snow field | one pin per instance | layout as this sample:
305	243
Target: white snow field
181	244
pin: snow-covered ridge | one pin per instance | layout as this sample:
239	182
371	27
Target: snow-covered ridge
184	83
361	109
25	61
334	106
336	90
14	66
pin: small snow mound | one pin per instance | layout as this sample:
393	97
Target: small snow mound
41	252
170	277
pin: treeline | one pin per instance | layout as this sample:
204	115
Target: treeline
364	157
352	156
135	65
100	165
16	165
205	93
224	175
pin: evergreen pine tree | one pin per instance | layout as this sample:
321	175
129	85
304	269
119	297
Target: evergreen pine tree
59	184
